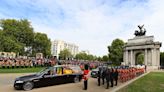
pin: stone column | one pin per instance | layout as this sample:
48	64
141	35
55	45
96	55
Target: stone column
158	57
152	56
146	56
124	60
155	57
131	57
127	61
149	57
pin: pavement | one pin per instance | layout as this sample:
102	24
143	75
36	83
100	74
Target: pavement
7	80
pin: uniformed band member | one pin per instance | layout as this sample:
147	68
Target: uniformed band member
85	77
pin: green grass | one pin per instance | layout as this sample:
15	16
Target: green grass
153	82
21	70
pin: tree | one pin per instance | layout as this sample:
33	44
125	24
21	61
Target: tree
162	58
9	44
81	56
90	57
19	29
65	54
1	40
105	58
85	56
140	59
42	44
18	36
116	51
99	58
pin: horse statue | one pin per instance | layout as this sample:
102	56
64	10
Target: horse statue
141	32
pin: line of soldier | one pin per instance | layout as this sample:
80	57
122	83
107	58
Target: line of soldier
129	73
114	75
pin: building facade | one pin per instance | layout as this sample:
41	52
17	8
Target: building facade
59	45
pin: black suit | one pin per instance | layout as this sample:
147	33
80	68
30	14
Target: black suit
98	77
103	76
107	77
111	78
116	77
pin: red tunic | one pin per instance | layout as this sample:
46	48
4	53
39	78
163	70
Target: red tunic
85	77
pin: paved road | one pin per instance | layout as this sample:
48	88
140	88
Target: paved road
6	85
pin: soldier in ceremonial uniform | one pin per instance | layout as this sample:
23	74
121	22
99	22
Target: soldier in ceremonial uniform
85	77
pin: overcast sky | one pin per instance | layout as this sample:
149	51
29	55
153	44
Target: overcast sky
91	24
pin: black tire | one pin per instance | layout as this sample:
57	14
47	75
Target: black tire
76	79
28	86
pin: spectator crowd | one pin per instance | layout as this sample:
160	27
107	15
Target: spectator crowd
7	63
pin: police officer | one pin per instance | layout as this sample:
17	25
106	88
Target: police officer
85	76
115	76
107	77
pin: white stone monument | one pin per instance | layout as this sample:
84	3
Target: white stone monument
145	45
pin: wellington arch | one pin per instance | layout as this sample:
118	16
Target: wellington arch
145	45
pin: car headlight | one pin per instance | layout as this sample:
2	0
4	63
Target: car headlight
19	81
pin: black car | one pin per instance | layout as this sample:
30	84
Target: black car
94	72
49	76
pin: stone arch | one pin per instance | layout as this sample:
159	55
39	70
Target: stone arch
137	56
147	46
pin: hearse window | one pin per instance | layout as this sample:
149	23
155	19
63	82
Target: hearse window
67	70
59	70
50	72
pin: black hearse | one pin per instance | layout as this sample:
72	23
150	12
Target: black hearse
49	76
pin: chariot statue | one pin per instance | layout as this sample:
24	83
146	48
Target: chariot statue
141	31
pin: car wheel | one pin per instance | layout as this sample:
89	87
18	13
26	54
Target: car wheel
28	86
76	79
